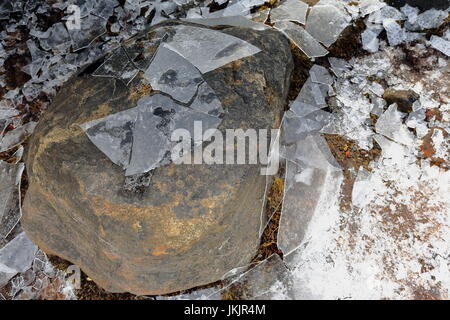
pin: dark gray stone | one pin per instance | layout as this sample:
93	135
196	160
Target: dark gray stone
187	225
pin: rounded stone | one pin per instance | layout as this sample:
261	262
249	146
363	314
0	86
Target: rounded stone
192	223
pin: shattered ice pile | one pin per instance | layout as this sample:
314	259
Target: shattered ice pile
25	272
32	275
393	241
403	26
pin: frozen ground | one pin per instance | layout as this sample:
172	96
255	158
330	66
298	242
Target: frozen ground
373	231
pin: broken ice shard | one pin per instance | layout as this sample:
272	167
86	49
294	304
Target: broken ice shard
172	74
369	6
104	8
311	175
429	19
390	125
138	139
395	33
302	39
149	143
113	135
58	38
15	257
237	21
16	136
440	44
370	41
296	128
237	8
37	56
314	94
268	280
207	49
386	13
302	109
290	10
362	191
10	214
206	101
410	13
325	23
118	66
187	119
92	27
339	66
320	75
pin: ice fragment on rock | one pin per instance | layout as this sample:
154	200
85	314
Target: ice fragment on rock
302	109
6	112
302	39
104	8
261	16
206	101
138	139
208	49
325	23
113	135
92	27
314	93
290	10
118	65
236	8
172	74
237	21
149	143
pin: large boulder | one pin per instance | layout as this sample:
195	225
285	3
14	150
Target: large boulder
187	225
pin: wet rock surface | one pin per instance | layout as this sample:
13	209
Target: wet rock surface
184	226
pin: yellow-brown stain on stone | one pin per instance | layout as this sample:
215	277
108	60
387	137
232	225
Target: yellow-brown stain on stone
179	233
160	249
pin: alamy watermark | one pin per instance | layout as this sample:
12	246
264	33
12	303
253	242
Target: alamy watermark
74	276
237	147
73	21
